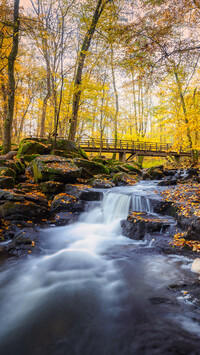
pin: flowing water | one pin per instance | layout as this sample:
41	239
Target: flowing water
96	292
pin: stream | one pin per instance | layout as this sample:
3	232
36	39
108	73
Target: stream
93	291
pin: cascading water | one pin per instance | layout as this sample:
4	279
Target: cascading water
89	293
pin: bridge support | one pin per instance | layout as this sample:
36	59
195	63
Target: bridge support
122	157
177	159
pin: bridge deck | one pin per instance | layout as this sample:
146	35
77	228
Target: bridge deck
131	147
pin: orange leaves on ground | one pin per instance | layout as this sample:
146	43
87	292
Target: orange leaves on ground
181	242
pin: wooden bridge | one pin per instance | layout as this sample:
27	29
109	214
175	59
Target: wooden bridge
133	148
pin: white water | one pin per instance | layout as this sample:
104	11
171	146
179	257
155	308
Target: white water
89	293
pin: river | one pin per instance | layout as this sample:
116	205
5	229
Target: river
93	291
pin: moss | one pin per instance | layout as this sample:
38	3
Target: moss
91	166
29	147
133	169
29	158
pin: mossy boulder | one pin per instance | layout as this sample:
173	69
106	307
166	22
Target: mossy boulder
132	168
16	165
29	158
69	149
54	168
155	173
52	187
5	171
29	147
91	166
121	179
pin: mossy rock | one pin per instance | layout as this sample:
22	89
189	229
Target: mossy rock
99	160
52	187
70	147
54	168
29	158
5	171
65	154
112	169
132	168
29	147
121	179
93	167
155	174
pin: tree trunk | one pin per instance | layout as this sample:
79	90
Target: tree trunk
185	115
78	77
47	97
11	80
116	100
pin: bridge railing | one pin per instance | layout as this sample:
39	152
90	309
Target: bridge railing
125	144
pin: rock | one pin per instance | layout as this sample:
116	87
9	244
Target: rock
66	203
155	173
9	155
70	149
132	168
84	193
146	176
24	242
189	224
6	182
91	166
29	158
15	204
64	218
196	266
168	182
52	187
29	147
138	224
121	179
51	167
102	184
85	174
5	171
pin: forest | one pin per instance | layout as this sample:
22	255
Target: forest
107	69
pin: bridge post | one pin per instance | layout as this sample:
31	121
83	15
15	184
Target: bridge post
177	159
122	156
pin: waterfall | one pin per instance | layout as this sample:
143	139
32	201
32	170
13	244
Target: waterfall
141	204
115	206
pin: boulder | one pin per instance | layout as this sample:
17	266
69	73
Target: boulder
132	168
66	203
138	224
155	173
102	184
121	179
91	166
85	193
69	149
5	171
6	182
52	167
64	218
15	204
52	187
29	147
